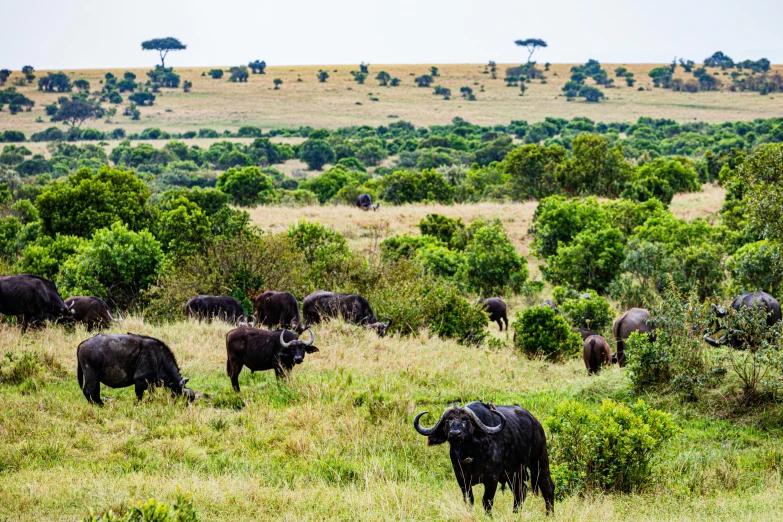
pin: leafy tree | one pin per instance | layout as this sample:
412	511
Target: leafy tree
46	255
4	74
258	67
539	331
395	82
424	80
532	44
359	77
441	227
187	85
183	227
316	153
762	174
531	169
591	260
718	59
216	74
88	201
247	187
58	81
630	80
278	82
661	77
117	264
28	71
593	168
75	110
82	84
142	98
238	74
327	185
492	265
163	46
383	78
590	93
405	186
434	71
756	266
322	76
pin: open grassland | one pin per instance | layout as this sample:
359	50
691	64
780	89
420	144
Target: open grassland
335	441
340	102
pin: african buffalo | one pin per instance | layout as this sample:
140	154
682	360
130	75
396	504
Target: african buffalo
278	309
596	353
485	453
584	332
207	307
759	299
553	305
32	299
92	311
364	202
352	307
119	361
262	350
496	309
634	320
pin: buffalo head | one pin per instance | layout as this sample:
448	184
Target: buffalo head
177	387
457	425
295	350
379	327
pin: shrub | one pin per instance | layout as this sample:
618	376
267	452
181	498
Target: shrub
316	153
183	228
216	74
591	260
404	246
448	314
153	511
325	251
532	170
117	264
404	186
326	185
439	261
558	220
492	265
247	187
539	331
45	256
441	227
594	313
757	266
297	198
11	136
607	451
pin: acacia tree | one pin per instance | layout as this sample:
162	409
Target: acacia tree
532	44
163	46
74	111
383	78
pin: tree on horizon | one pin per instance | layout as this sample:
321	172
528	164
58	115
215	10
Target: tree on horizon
163	46
532	44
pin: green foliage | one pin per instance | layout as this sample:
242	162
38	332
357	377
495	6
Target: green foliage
238	74
247	187
328	184
595	167
88	201
441	227
679	173
216	74
117	264
591	260
76	110
540	332
183	228
757	266
492	265
677	356
404	246
163	46
316	153
46	255
531	169
448	314
558	220
762	174
606	451
595	313
181	510
325	251
439	260
404	186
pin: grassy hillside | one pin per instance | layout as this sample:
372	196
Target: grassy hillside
335	442
340	102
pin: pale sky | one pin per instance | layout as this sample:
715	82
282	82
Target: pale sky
89	34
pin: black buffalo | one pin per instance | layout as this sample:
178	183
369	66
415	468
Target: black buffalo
352	307
496	309
278	309
364	202
119	361
596	353
208	307
484	452
262	350
91	311
584	332
634	320
759	299
553	305
32	299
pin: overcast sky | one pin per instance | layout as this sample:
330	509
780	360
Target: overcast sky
85	34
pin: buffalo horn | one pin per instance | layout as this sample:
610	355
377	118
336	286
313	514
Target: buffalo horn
312	338
483	427
282	342
426	431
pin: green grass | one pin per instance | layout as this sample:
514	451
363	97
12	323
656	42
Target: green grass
335	441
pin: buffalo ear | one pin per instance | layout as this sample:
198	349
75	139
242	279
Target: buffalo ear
312	349
438	436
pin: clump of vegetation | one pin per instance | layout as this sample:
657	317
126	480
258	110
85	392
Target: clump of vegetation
605	451
540	332
181	510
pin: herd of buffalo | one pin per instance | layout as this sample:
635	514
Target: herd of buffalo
489	444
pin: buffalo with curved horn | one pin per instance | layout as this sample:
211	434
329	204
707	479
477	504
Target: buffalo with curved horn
353	308
755	299
484	452
260	350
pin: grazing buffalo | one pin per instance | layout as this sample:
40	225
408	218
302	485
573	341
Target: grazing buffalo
759	299
596	353
278	309
119	361
352	307
496	309
92	311
484	452
207	307
32	299
262	350
584	332
364	202
553	305
634	320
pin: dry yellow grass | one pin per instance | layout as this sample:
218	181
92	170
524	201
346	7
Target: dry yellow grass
340	101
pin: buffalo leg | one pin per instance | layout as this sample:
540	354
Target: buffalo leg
541	480
505	319
489	495
92	386
500	324
141	385
467	490
233	372
519	490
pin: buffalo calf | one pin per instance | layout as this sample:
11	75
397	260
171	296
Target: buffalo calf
208	307
93	312
596	353
496	309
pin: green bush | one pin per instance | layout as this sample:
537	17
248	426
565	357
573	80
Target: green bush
247	187
531	169
117	264
45	256
594	313
316	153
539	331
404	186
757	266
394	248
183	228
447	313
439	261
153	511
297	198
606	451
558	220
325	251
328	184
592	260
441	227
492	265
